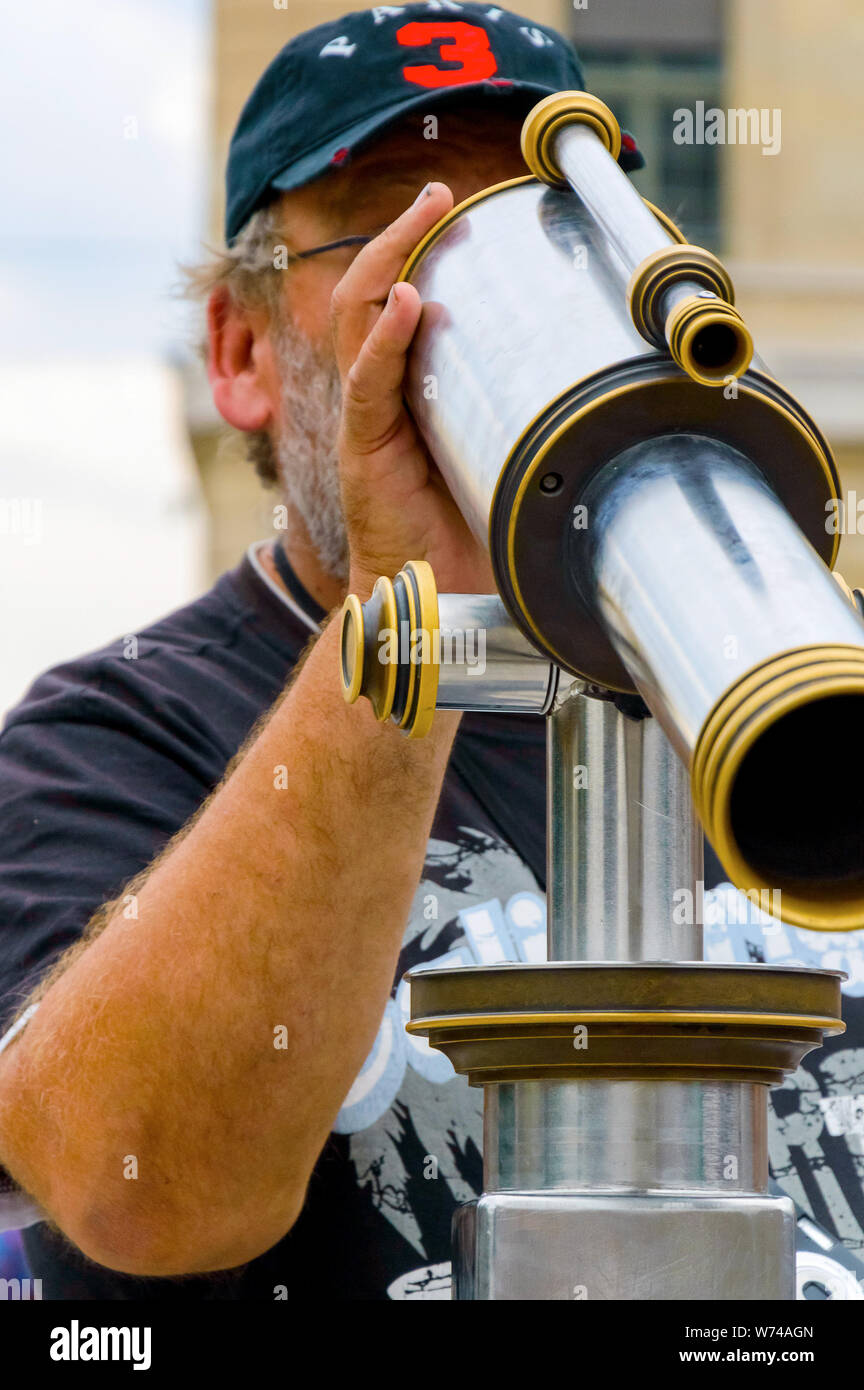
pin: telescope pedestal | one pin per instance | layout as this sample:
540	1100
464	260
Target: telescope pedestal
625	1133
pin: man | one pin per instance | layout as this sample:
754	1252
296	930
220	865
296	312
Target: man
214	1080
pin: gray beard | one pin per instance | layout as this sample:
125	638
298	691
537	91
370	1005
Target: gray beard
305	449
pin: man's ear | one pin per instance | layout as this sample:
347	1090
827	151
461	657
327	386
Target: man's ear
240	365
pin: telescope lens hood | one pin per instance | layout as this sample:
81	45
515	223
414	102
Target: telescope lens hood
778	781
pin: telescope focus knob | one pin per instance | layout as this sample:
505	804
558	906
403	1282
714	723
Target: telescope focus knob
682	297
388	648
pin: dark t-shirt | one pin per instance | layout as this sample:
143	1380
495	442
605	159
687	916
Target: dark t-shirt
109	755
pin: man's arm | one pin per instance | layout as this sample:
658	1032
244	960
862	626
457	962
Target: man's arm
282	907
145	1106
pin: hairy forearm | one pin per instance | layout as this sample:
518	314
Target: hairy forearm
167	1102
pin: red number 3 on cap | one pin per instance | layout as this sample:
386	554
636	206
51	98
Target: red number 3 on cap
469	45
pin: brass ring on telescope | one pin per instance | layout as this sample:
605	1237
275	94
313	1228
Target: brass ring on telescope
756	703
425	243
651	987
549	116
404	658
404	687
692	317
352	649
729	1051
671	1016
628	403
362	671
660	271
420	707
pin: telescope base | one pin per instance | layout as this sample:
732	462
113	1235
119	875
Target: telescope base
615	1246
625	1150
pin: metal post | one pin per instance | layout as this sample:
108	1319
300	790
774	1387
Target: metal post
624	845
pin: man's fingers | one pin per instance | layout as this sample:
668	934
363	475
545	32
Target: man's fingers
361	292
372	405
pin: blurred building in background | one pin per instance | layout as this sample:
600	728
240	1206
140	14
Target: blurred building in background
788	223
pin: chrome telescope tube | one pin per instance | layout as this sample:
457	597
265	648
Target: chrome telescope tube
528	374
683	506
643	531
609	195
486	663
738	666
637	236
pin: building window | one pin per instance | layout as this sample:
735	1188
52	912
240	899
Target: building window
644	90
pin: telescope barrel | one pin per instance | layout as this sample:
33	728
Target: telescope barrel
749	656
646	533
680	296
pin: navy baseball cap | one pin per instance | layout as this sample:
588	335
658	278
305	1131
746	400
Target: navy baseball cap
334	87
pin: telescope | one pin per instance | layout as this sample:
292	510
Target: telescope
654	503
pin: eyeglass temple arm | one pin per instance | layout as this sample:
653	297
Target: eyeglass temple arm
331	246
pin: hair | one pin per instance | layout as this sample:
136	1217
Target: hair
246	269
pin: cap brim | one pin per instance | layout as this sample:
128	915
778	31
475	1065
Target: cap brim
317	162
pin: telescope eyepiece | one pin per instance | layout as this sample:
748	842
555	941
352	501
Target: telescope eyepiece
709	340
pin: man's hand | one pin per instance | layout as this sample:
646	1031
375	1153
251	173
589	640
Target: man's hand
397	507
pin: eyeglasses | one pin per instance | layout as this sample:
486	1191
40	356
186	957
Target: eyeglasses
293	256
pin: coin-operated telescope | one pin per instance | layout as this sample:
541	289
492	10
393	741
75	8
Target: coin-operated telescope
654	503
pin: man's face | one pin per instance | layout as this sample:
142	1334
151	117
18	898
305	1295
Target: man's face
473	150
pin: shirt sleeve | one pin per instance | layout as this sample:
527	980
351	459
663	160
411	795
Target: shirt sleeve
88	798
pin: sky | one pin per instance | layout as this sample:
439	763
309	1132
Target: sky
103	167
103	188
